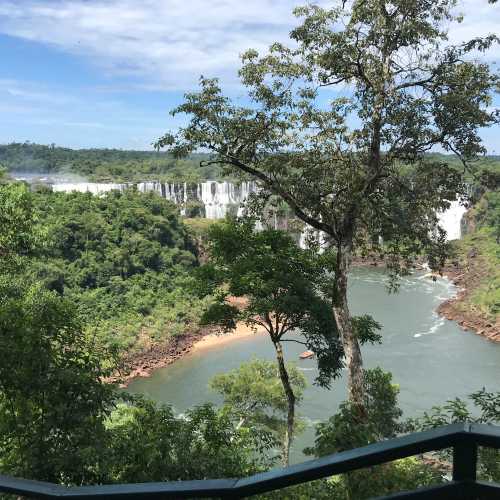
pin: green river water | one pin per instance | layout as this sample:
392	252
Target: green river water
431	358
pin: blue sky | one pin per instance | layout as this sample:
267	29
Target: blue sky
105	73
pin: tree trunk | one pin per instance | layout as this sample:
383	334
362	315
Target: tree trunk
290	396
354	360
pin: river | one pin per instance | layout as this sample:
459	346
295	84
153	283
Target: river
431	358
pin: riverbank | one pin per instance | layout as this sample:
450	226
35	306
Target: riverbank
458	308
216	340
475	270
466	277
144	363
469	273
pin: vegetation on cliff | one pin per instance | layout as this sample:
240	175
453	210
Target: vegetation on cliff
121	259
104	165
475	268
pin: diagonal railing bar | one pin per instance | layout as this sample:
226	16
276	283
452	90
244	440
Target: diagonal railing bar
463	438
358	458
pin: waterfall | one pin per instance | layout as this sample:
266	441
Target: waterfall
218	198
88	187
450	220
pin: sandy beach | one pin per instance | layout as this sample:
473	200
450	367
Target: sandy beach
218	339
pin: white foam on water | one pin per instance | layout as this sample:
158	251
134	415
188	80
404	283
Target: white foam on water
434	327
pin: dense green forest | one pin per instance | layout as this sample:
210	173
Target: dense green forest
104	165
73	265
122	259
117	165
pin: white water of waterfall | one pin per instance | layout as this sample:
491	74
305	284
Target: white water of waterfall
218	198
451	220
88	187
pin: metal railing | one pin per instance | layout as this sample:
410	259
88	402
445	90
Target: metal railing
463	438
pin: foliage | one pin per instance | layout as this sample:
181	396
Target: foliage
285	289
52	400
18	236
478	253
354	164
487	212
400	475
104	165
56	414
348	429
147	442
4	176
486	410
254	394
281	289
123	259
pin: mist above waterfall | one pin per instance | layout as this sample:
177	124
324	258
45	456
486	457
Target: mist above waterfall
33	177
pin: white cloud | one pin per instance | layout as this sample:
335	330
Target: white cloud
169	43
29	93
160	45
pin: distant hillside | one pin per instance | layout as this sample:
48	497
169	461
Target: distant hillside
104	164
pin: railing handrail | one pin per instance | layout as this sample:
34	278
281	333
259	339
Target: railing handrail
464	438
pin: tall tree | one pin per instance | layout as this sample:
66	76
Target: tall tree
284	293
254	394
339	124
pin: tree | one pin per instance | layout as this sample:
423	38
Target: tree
52	399
254	394
345	431
284	291
486	410
121	258
339	124
148	442
18	235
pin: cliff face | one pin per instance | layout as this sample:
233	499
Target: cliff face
462	308
475	269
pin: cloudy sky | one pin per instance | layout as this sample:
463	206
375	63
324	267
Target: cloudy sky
104	73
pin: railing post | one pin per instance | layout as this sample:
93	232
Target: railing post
465	463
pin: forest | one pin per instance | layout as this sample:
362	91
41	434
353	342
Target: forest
105	165
117	165
87	281
123	259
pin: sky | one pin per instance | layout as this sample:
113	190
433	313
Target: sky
106	73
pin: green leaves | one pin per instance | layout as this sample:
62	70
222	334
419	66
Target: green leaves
354	164
365	328
52	398
284	289
150	443
19	235
254	394
486	409
349	429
